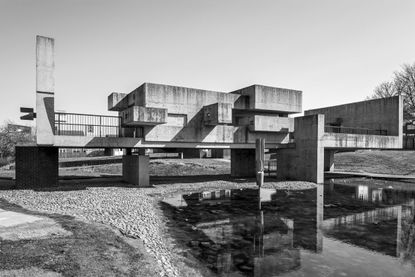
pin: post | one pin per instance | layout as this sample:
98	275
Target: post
45	91
259	161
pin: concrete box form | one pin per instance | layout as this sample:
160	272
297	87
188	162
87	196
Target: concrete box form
218	113
273	99
115	101
378	114
135	170
141	116
271	123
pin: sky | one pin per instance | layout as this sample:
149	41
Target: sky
335	51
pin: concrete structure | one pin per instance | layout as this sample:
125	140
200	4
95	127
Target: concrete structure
171	117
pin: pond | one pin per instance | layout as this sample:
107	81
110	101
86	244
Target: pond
354	227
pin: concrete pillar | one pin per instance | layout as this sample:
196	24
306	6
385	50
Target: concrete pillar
37	166
306	161
243	163
329	160
135	170
45	91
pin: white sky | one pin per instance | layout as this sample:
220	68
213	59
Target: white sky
335	51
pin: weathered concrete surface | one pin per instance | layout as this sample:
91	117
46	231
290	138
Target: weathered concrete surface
306	161
218	113
45	88
385	114
243	163
135	170
139	116
272	98
267	123
114	100
354	141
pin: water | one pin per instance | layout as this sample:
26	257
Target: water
344	228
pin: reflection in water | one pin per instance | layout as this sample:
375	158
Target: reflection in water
337	229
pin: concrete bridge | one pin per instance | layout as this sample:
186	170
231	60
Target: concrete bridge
171	117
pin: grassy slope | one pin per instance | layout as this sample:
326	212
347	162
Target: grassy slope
91	250
376	161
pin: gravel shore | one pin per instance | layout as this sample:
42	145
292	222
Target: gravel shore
135	212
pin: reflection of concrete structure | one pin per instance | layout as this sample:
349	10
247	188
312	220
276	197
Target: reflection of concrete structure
171	117
236	231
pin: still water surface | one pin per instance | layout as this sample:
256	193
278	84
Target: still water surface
354	227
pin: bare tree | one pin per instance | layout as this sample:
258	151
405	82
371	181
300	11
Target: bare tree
403	83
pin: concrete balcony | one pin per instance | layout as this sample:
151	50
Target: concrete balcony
117	101
142	116
275	124
218	113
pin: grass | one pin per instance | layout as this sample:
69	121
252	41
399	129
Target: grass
91	250
376	161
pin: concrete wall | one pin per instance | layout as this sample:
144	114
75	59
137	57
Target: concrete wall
385	113
306	161
272	98
218	113
36	166
354	141
135	170
268	123
139	116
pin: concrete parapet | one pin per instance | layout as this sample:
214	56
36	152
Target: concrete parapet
139	116
243	163
268	123
36	166
135	170
378	114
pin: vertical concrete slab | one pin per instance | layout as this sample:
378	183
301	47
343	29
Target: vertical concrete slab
306	161
329	160
45	88
243	163
135	170
36	166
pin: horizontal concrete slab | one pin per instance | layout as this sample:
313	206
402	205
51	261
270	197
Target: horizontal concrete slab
355	141
112	142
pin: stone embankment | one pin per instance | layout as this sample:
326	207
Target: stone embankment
135	212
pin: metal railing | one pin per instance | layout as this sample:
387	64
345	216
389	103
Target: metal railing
90	125
354	130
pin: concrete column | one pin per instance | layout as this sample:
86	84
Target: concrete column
243	163
329	160
36	166
45	91
306	161
135	170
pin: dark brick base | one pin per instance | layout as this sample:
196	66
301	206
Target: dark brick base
243	163
36	166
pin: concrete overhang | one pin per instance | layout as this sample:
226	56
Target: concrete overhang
143	116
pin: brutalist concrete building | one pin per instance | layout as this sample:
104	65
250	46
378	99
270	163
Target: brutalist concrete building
170	117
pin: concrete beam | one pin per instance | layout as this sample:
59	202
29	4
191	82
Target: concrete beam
124	142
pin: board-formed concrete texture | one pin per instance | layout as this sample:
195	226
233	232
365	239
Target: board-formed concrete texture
173	117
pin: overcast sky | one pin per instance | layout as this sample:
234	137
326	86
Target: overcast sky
334	51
